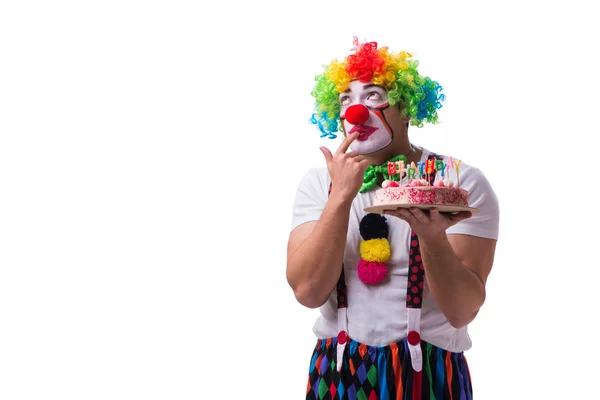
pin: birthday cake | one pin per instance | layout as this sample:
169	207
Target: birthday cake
427	184
420	192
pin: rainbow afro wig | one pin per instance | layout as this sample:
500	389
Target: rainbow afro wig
418	96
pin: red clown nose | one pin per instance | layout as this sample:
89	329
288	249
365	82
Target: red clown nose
357	114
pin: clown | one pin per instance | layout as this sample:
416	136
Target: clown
396	293
370	89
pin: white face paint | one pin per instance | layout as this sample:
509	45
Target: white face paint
375	133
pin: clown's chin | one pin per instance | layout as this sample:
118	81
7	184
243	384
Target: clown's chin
372	145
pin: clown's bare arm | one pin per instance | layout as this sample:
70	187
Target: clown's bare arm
315	253
316	249
456	266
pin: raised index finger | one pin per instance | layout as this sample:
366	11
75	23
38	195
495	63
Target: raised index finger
346	143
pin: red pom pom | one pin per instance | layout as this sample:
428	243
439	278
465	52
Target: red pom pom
357	114
371	272
393	184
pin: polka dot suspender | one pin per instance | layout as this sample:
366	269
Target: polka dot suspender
414	296
416	274
342	303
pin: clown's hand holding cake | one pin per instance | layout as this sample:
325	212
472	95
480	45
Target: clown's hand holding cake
396	285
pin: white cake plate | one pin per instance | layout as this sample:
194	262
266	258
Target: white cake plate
442	208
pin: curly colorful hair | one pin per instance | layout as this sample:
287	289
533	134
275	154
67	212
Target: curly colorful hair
418	96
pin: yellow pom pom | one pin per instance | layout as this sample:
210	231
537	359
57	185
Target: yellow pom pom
377	250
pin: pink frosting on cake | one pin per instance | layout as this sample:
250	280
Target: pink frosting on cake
436	195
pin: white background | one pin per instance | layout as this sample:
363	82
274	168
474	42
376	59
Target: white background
149	157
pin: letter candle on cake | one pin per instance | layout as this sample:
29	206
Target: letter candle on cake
415	170
421	166
457	179
440	166
411	172
401	170
429	166
391	170
450	165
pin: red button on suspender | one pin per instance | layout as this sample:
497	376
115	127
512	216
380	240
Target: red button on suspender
414	338
342	337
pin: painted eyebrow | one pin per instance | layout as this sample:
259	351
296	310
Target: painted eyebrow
367	86
370	85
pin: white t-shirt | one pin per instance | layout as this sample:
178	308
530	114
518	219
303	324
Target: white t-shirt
377	314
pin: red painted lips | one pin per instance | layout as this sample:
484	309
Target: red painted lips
364	131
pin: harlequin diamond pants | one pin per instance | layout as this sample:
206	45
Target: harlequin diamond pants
385	373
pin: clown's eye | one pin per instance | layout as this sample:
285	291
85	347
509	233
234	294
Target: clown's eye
344	100
374	96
